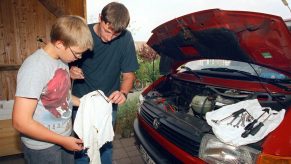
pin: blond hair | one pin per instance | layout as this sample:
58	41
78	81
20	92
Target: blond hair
72	31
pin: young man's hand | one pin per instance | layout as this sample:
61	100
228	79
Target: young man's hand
72	144
76	73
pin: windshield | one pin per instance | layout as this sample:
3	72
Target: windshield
252	69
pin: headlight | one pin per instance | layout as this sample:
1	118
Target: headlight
141	99
214	151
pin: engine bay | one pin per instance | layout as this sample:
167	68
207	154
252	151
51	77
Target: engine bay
175	95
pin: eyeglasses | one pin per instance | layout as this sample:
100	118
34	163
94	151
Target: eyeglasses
77	55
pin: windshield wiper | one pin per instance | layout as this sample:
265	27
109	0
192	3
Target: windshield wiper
192	71
273	82
229	70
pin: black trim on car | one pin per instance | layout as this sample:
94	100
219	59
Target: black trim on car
183	130
154	150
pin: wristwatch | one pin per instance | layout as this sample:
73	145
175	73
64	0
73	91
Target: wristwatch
125	94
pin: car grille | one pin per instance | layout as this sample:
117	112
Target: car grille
187	140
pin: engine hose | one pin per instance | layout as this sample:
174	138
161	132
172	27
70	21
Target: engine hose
202	107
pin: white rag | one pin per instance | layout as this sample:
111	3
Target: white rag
232	135
93	123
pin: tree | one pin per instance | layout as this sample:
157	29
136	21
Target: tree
149	64
146	53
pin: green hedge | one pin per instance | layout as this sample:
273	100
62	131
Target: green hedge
148	71
125	117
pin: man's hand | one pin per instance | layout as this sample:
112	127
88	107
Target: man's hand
76	73
117	97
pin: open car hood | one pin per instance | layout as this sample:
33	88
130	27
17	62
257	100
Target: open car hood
251	37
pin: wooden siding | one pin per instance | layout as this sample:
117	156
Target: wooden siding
9	139
22	23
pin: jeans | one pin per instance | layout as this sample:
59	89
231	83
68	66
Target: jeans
54	154
105	151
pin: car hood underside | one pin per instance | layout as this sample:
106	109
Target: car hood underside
232	35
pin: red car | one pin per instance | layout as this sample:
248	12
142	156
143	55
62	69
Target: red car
209	58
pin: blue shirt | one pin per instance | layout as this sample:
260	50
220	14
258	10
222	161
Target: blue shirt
103	66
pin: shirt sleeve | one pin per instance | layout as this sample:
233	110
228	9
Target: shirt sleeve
31	79
129	61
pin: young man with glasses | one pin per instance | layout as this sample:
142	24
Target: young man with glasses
43	101
77	55
113	55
